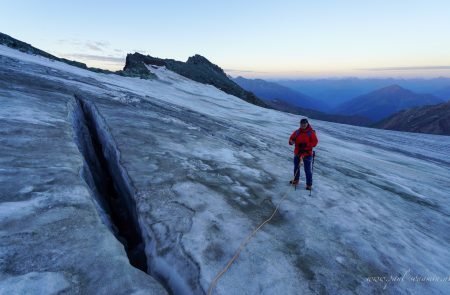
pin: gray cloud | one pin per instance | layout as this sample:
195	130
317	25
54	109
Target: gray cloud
93	57
93	47
102	44
97	46
407	68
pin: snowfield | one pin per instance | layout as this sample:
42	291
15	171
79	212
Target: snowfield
201	170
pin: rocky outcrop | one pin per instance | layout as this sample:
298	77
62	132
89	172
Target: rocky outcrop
196	68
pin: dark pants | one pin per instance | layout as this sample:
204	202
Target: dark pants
307	161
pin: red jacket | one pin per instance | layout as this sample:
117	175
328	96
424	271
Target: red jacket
305	140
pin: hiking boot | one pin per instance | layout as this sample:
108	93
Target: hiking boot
308	187
293	182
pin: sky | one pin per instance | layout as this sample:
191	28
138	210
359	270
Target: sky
254	39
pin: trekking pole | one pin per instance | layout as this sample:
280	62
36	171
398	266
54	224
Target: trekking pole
312	170
300	158
295	175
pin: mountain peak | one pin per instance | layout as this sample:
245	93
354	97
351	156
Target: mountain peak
384	102
393	88
202	61
198	59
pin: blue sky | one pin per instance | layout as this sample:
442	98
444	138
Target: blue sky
269	39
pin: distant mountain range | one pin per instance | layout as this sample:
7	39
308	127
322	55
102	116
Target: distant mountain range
269	91
351	120
433	119
384	102
287	100
407	111
337	91
364	110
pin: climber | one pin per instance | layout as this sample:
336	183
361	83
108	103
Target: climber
305	140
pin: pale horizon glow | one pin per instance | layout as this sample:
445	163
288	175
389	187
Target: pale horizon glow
254	39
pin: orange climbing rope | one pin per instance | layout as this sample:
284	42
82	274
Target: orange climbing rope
249	237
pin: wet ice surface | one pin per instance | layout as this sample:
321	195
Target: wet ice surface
208	168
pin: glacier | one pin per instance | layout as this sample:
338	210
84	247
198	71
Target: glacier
198	170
